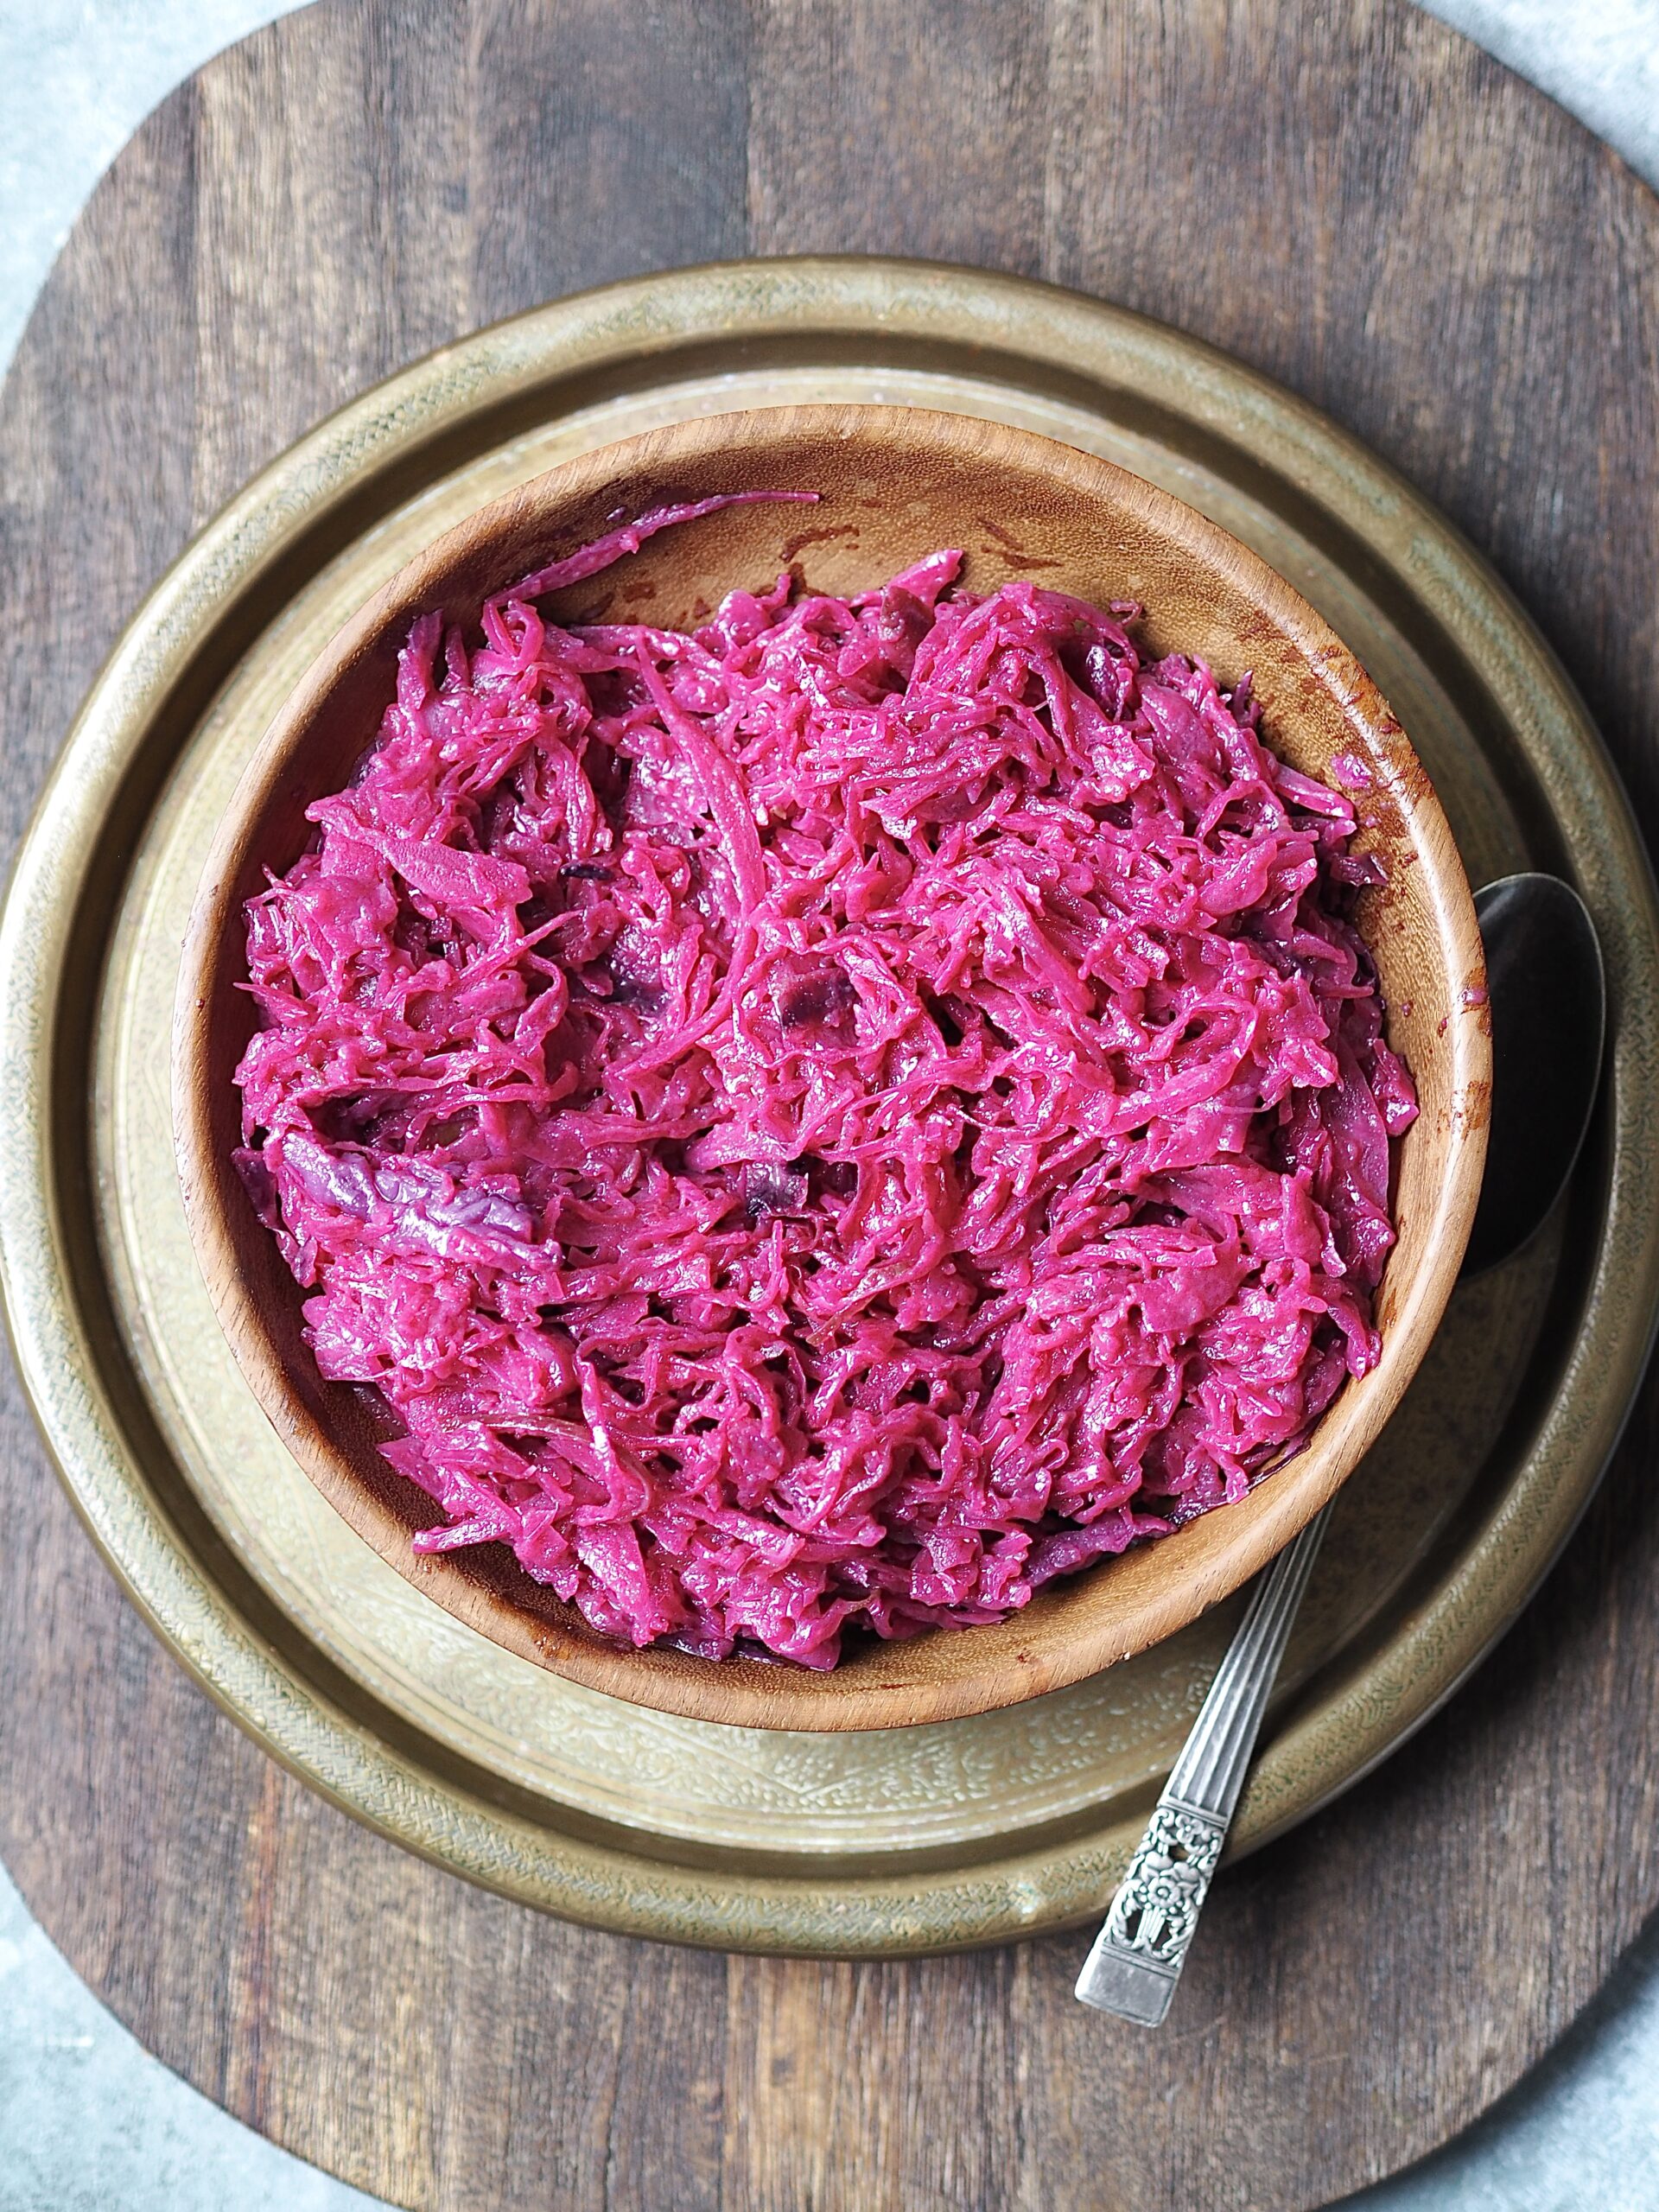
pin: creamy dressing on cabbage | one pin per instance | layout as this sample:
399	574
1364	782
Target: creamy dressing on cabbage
829	1121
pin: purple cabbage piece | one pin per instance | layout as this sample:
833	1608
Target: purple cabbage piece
831	1122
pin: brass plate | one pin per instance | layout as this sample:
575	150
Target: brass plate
911	1840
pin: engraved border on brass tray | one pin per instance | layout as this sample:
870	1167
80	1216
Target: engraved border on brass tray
434	414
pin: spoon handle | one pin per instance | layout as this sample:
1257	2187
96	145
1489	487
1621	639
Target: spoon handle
1137	1956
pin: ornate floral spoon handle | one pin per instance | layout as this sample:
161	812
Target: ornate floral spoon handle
1137	1956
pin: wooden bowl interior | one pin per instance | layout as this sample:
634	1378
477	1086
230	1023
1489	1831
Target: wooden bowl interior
895	483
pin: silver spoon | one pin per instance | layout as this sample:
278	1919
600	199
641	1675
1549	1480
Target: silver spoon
1549	1009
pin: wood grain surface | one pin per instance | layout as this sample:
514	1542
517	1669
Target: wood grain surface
1355	201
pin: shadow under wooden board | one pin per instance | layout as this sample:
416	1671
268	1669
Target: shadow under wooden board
1394	227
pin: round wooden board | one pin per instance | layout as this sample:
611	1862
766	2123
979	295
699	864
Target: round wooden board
1365	208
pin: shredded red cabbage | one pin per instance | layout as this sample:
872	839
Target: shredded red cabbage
834	1120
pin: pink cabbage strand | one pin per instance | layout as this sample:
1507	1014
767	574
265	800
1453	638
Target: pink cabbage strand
831	1120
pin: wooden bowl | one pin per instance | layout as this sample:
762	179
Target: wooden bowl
896	484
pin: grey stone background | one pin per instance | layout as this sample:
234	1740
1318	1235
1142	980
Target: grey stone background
89	2122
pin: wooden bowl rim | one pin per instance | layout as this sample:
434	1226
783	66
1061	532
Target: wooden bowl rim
728	1692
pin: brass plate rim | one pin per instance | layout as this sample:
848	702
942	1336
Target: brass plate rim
641	321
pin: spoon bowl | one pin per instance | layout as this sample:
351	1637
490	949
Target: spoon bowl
1548	996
